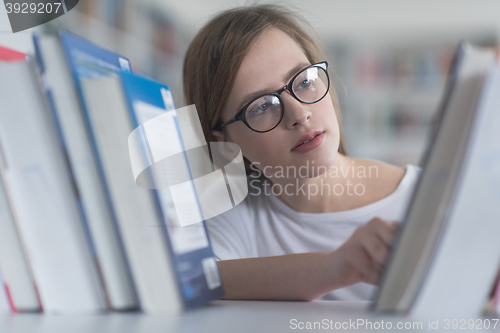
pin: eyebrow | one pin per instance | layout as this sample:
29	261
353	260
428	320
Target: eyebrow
286	77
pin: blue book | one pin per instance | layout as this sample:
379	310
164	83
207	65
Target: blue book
87	59
63	60
151	105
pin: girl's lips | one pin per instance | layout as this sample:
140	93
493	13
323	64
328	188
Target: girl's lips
315	140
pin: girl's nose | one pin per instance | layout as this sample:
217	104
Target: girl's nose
296	113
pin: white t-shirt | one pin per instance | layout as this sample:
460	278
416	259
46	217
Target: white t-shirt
262	225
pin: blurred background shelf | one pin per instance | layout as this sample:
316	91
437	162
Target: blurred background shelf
391	57
390	91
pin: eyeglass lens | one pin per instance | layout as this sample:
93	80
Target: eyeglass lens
309	86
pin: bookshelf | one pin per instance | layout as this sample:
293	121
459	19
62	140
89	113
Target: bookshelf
132	28
389	91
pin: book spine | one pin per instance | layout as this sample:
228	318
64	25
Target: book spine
17	268
53	110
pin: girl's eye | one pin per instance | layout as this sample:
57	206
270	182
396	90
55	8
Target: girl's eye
263	107
259	109
304	84
306	79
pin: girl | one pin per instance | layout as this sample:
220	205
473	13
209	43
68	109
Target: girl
316	222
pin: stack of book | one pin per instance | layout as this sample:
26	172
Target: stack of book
77	234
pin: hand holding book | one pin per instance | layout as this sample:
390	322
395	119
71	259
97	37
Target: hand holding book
362	257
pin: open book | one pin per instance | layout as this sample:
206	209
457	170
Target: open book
446	255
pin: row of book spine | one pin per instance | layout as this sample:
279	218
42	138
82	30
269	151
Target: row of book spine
77	234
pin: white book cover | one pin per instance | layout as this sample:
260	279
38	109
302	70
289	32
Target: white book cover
466	262
44	198
446	256
98	216
17	275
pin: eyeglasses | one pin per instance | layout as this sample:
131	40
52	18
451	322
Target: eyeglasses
265	113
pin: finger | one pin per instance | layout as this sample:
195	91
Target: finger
385	230
378	251
394	225
388	236
371	272
361	262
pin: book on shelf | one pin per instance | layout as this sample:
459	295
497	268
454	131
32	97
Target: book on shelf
18	281
42	196
193	261
446	254
63	59
169	277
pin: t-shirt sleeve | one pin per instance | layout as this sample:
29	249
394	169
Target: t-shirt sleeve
232	234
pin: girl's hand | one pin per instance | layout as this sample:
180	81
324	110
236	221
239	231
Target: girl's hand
362	257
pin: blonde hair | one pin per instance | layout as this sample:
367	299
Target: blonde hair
216	53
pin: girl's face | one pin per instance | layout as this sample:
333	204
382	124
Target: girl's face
269	65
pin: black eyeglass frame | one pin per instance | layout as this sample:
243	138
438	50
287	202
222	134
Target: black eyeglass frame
241	114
